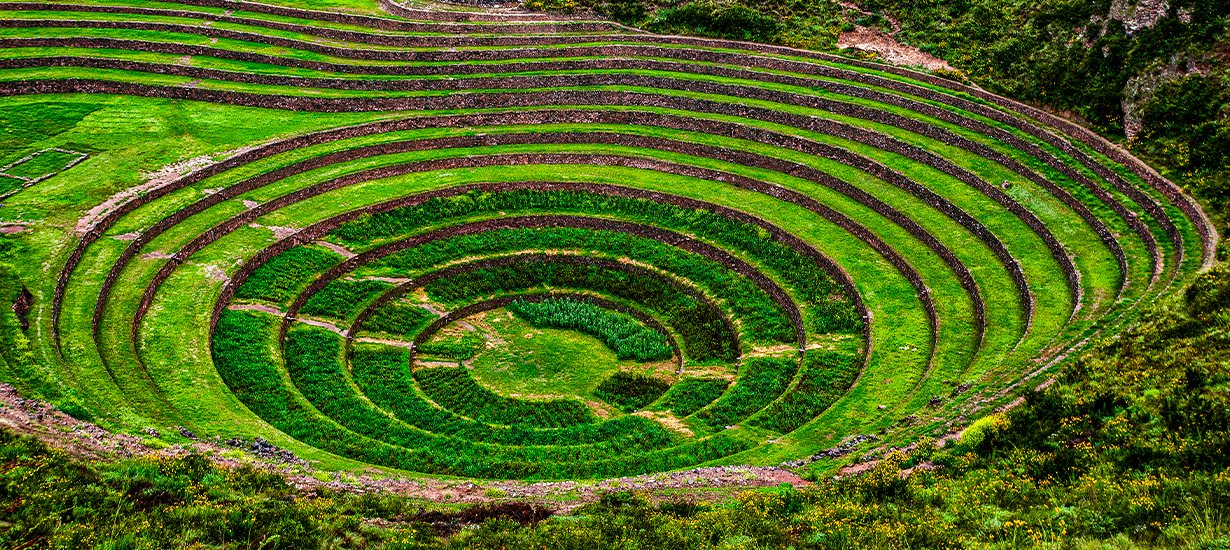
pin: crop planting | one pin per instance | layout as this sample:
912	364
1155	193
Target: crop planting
510	245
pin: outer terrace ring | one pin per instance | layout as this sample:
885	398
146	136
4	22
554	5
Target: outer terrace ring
865	121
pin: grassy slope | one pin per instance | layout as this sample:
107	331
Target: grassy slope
1122	452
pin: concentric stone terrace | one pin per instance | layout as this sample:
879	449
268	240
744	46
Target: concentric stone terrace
779	247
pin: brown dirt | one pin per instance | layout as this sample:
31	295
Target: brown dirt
890	50
337	248
11	229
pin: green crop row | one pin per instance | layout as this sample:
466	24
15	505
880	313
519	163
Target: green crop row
313	361
398	318
761	380
457	348
281	278
631	391
342	299
244	359
692	394
455	390
629	338
759	316
705	334
826	377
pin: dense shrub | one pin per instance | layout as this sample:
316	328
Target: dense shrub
627	337
722	20
631	391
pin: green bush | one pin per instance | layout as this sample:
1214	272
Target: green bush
721	20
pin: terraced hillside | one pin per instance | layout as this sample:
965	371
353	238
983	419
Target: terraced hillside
751	251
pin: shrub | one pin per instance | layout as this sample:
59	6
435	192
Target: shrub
987	425
722	20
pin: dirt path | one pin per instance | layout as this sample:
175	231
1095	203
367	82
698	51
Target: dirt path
162	176
336	248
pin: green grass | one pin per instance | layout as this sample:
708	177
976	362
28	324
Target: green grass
43	164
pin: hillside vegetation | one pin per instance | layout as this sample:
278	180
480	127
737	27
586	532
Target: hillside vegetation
1128	449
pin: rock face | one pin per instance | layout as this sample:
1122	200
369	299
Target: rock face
1138	15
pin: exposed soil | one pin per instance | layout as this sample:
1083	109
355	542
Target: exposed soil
88	441
11	229
868	39
336	248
